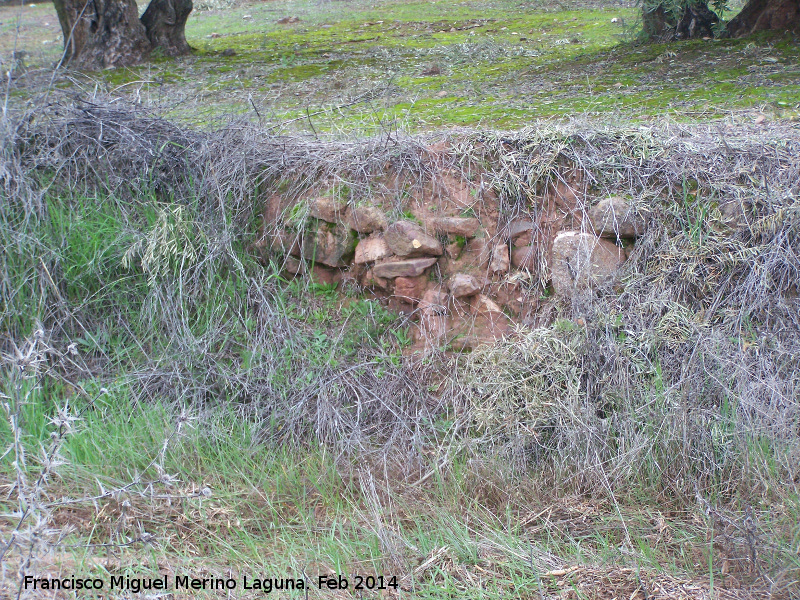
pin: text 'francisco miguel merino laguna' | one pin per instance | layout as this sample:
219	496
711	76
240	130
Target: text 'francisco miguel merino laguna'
181	582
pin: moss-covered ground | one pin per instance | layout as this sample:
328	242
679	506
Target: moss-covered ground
363	67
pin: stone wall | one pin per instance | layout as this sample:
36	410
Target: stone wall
448	251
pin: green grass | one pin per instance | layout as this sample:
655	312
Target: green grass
110	258
226	482
233	506
361	67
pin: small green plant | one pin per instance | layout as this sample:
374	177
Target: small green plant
324	289
469	213
402	336
297	217
407	215
695	224
565	326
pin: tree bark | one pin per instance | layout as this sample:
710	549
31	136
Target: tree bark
165	22
658	23
697	21
661	23
764	15
102	33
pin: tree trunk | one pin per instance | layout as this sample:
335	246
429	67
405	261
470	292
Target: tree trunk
165	22
661	23
697	21
102	33
657	22
762	15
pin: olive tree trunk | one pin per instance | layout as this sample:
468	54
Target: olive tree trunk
762	15
109	33
694	20
658	23
165	22
697	21
102	33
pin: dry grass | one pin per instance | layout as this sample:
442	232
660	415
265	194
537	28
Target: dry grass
676	392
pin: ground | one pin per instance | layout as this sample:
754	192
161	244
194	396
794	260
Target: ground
364	67
216	434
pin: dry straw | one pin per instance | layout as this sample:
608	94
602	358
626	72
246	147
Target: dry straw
682	382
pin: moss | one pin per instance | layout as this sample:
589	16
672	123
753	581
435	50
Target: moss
506	66
407	215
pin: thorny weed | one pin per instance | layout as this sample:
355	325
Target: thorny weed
686	376
33	505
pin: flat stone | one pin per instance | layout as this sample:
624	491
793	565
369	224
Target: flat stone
524	258
464	226
462	285
327	209
371	249
369	280
366	219
409	239
613	218
434	302
403	268
518	228
410	289
500	261
582	260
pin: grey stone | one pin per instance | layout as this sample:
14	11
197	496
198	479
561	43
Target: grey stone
371	249
331	245
409	239
284	241
613	218
327	209
500	262
519	228
463	226
366	219
462	285
582	260
403	268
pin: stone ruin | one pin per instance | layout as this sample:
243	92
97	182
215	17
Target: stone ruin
446	253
